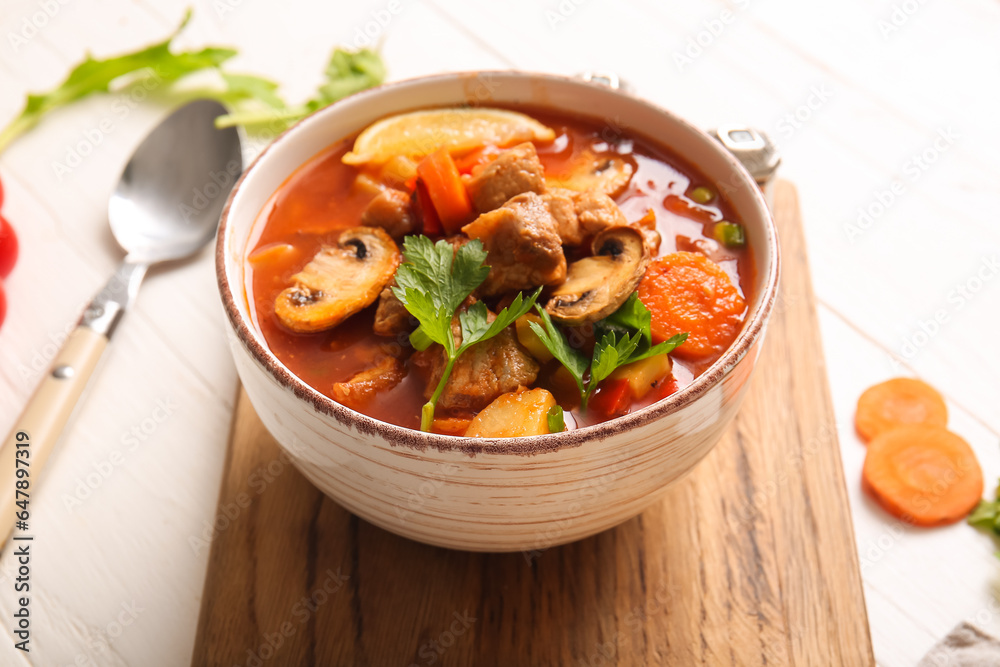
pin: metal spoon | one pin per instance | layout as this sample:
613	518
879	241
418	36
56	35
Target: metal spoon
166	207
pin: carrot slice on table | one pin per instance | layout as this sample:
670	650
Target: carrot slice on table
898	402
687	292
923	474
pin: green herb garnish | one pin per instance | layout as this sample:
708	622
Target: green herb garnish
556	419
155	62
432	283
347	73
622	338
252	100
986	515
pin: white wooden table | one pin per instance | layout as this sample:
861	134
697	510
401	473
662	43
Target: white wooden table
860	95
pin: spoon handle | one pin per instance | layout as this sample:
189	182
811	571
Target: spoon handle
36	431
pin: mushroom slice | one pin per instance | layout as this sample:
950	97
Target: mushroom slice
607	173
339	281
597	286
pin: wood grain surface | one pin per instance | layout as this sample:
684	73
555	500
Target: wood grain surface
750	560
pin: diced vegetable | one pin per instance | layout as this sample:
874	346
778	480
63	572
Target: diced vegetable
729	234
447	193
643	375
898	402
398	170
451	425
648	220
458	130
514	415
556	419
428	216
529	339
273	253
368	185
476	158
923	474
612	399
688	209
702	195
686	291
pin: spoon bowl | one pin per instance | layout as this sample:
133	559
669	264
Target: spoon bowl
170	195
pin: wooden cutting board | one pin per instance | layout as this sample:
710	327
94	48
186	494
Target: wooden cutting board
750	560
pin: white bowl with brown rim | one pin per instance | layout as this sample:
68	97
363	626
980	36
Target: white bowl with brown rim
504	494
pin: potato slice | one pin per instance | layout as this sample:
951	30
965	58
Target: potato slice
514	415
339	281
420	133
643	375
529	339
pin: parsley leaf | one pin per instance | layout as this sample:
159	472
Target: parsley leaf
570	357
347	72
432	283
96	76
623	337
610	353
252	100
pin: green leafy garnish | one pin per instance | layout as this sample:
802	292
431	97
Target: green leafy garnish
623	338
347	73
556	419
986	516
432	282
253	100
96	76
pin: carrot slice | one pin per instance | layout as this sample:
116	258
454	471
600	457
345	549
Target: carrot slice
898	402
687	292
444	185
923	474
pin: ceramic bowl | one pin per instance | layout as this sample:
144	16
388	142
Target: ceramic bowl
504	494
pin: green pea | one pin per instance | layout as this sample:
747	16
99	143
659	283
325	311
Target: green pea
702	195
729	234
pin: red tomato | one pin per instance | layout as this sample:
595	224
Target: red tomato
8	247
612	399
3	304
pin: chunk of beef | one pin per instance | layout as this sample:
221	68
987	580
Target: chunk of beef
523	245
391	316
384	375
515	171
596	212
392	211
580	216
483	372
